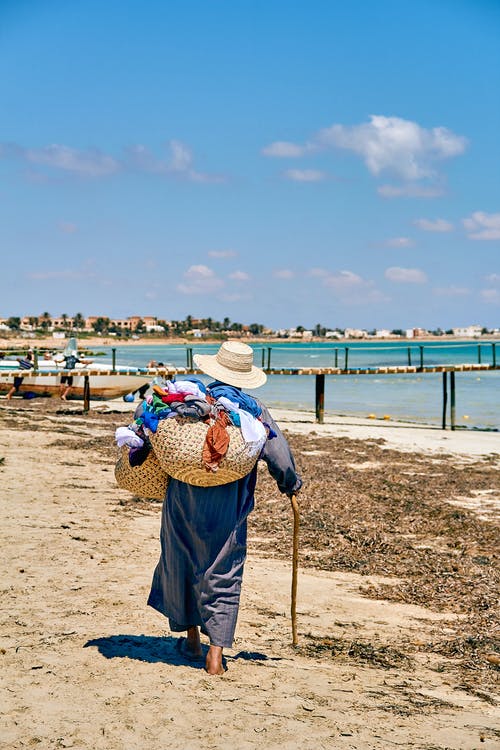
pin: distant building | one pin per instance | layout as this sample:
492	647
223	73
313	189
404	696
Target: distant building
419	333
468	331
355	333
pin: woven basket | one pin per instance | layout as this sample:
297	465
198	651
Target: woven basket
178	445
147	480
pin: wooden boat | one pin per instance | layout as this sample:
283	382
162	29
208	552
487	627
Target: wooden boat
105	381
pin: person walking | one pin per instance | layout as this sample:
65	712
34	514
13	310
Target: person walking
25	363
197	581
66	384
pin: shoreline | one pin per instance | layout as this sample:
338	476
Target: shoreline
96	341
402	436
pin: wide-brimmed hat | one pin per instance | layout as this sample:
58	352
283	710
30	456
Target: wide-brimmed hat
233	364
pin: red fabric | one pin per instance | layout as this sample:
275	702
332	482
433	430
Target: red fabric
216	441
167	397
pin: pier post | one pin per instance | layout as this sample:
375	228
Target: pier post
494	352
86	393
336	357
346	357
35	359
479	354
113	360
263	358
268	357
409	356
452	399
421	356
320	398
445	398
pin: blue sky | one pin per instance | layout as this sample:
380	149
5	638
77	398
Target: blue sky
278	162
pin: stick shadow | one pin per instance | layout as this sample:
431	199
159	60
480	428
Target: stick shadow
158	649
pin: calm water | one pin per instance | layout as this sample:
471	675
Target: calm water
413	397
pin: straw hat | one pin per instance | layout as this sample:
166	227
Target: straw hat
233	364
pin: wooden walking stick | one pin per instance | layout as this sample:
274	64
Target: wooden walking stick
295	563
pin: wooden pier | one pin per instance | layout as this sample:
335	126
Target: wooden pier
320	373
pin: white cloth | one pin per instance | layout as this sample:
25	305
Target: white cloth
185	386
126	436
252	429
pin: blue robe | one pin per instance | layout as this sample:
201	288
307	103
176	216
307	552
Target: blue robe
203	545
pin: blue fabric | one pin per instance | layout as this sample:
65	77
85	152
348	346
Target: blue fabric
203	548
244	401
150	419
203	545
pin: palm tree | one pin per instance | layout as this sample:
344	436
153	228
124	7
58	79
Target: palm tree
101	325
45	320
78	322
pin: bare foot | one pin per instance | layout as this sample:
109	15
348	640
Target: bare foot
213	664
193	643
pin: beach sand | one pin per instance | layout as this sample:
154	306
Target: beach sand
396	603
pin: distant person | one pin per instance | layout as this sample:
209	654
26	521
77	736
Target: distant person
47	355
24	364
70	362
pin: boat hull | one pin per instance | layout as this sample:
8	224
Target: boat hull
101	386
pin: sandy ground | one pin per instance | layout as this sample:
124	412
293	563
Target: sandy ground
401	436
87	665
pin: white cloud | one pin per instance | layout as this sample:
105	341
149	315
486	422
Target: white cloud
92	163
283	273
344	280
305	175
491	296
405	275
386	144
179	164
482	226
436	225
239	276
353	289
493	278
451	291
285	149
410	191
400	242
222	253
399	146
318	272
200	280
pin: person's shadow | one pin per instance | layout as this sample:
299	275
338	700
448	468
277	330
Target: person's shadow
154	649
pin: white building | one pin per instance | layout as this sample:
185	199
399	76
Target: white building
468	331
355	333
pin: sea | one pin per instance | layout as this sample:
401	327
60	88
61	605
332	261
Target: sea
414	398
